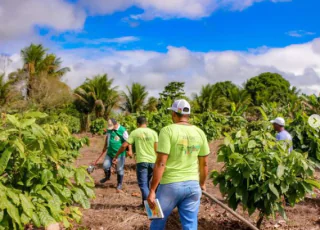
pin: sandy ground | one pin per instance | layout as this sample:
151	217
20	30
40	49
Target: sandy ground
111	210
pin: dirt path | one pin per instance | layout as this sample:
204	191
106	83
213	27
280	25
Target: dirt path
111	210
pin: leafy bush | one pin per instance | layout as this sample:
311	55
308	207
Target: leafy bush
157	121
73	123
128	121
210	124
305	138
38	183
98	126
259	171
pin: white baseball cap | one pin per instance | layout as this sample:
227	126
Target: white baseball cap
279	121
181	106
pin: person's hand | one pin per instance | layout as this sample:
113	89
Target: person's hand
203	187
129	153
115	161
151	199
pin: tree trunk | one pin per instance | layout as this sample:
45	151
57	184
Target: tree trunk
84	122
260	221
29	87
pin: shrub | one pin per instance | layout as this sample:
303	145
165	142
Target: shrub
98	126
38	183
259	172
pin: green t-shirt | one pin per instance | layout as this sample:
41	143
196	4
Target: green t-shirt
184	144
144	139
115	140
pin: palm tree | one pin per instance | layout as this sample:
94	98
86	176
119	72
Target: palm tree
152	104
106	95
85	104
237	101
135	98
37	62
205	98
95	95
4	90
51	65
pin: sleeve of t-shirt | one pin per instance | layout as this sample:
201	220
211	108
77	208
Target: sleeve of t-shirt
156	138
130	140
204	150
164	144
125	135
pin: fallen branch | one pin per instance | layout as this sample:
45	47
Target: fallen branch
230	210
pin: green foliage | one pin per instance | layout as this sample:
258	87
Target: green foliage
173	91
98	126
210	123
157	121
134	98
73	123
128	121
38	182
268	87
259	172
306	139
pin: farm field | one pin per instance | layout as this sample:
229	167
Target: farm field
111	210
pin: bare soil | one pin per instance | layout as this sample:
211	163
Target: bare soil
111	210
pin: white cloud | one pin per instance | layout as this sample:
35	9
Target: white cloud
192	9
19	17
300	64
100	41
299	33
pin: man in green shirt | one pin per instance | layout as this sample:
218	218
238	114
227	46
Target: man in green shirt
181	169
146	142
116	135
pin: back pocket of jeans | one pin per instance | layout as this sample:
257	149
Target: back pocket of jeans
195	193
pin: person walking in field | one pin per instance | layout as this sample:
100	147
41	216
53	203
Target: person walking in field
116	136
282	134
146	142
181	169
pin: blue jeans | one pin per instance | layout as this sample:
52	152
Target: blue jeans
144	175
183	195
120	165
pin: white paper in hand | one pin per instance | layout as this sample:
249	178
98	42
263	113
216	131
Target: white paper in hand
155	213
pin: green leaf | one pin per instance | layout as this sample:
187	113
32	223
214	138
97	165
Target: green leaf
1	215
13	120
251	144
45	218
13	196
284	187
27	205
13	212
35	115
25	219
80	197
46	176
65	222
5	157
27	123
51	148
36	220
280	171
80	176
18	144
89	191
314	183
274	190
282	212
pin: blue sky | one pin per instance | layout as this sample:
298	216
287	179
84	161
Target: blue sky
154	42
263	24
